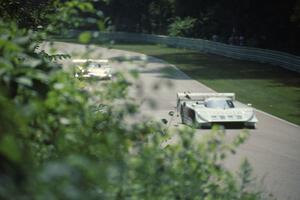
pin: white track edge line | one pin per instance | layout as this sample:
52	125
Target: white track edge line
282	120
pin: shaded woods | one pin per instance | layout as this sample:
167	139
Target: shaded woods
264	24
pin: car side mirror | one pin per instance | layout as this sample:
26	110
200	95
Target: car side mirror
187	96
171	113
164	121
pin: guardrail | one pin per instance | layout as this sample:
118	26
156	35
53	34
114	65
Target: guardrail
278	58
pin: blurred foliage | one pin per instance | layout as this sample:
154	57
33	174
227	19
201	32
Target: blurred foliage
182	27
59	140
52	16
160	15
295	18
270	24
263	24
29	13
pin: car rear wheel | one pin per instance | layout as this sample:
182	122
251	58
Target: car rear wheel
251	125
181	116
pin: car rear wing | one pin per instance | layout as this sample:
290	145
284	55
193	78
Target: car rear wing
188	96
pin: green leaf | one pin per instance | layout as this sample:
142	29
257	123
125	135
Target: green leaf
85	37
58	86
9	147
134	73
32	62
24	81
101	25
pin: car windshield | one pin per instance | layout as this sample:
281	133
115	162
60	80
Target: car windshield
94	65
219	103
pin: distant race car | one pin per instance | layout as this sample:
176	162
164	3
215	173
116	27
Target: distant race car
204	109
91	68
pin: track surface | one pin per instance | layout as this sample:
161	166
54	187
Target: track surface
273	148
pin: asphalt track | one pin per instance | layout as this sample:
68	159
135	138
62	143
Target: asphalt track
273	148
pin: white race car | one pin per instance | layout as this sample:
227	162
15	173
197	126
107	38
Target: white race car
204	109
91	68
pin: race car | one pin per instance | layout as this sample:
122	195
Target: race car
201	110
91	68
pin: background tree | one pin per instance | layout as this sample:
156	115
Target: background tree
265	24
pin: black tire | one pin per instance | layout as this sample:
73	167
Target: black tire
181	115
251	126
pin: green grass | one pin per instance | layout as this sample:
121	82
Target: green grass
269	88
